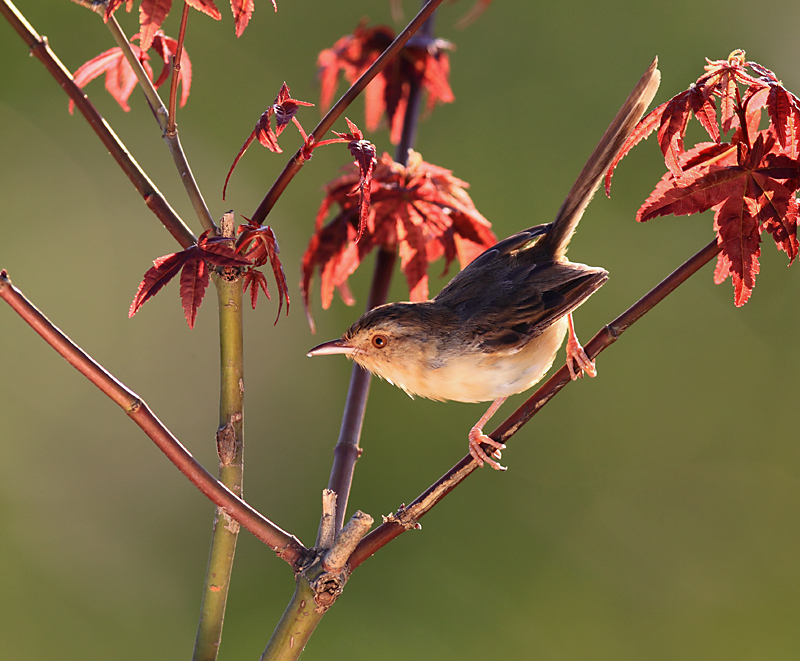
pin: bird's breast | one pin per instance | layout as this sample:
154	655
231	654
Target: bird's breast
479	376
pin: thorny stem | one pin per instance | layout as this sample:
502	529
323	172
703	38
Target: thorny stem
347	449
230	448
286	546
297	161
166	119
153	198
407	517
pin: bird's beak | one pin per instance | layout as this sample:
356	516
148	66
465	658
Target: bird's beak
332	347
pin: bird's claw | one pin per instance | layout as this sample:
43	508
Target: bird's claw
576	356
476	438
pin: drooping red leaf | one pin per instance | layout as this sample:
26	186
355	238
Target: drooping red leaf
164	269
259	244
120	78
672	129
421	209
255	279
194	282
738	234
364	153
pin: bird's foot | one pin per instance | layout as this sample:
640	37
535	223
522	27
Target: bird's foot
476	437
576	356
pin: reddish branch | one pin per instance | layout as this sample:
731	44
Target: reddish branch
286	546
407	517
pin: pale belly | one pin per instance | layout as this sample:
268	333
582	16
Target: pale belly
485	377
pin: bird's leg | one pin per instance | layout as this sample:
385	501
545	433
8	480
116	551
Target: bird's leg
576	353
476	437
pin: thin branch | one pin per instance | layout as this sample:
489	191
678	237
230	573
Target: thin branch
176	70
347	450
165	118
407	517
146	188
297	161
285	545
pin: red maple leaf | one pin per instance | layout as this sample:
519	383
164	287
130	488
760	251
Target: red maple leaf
259	245
120	77
192	263
153	12
750	182
749	191
423	61
284	109
420	209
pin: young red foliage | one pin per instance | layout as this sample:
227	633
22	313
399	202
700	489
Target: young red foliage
284	109
259	245
423	61
153	12
750	182
120	77
421	209
365	154
192	263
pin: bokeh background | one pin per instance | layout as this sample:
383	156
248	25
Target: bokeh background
651	513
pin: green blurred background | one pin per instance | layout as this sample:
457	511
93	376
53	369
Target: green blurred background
651	513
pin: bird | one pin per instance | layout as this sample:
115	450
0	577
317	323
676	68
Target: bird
494	330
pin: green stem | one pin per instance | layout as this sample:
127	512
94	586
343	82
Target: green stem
230	449
296	626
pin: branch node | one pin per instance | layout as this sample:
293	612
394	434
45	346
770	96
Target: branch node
227	443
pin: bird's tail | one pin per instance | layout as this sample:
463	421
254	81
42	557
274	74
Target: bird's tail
588	181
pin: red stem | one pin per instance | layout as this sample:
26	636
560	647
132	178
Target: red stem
176	71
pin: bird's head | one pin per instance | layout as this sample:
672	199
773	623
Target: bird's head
392	341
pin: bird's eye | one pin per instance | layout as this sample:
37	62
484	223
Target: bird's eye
379	341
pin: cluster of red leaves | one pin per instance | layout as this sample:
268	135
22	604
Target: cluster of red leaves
120	78
749	181
283	109
153	12
255	247
423	61
420	208
259	245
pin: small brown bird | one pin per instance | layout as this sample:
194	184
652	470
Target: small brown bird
495	329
